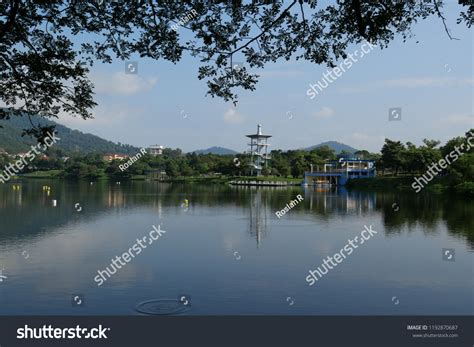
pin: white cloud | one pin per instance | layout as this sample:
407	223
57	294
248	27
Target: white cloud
459	119
354	90
122	83
360	137
366	141
110	122
410	82
233	117
325	112
427	82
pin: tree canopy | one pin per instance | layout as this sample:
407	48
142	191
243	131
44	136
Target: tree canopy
47	47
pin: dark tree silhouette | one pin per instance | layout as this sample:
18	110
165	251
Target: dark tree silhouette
47	46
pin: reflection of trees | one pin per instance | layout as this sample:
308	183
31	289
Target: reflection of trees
409	209
398	210
36	213
28	212
427	211
459	217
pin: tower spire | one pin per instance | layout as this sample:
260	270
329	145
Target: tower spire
258	151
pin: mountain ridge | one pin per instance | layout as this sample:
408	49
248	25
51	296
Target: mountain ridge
337	146
215	150
72	141
75	141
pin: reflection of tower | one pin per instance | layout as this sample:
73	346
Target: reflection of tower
159	208
258	214
19	197
258	151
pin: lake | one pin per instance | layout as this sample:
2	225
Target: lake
228	253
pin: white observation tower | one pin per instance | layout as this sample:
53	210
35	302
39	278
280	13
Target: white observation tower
258	151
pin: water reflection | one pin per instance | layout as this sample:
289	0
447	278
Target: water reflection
258	214
273	254
28	210
329	200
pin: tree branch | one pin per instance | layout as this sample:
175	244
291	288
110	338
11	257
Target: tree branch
359	19
304	21
443	19
266	29
11	19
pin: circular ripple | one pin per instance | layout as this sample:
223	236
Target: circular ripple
162	307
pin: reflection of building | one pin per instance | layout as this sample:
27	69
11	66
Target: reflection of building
333	199
258	151
114	198
338	172
155	150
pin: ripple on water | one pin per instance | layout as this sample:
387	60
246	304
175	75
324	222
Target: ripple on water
162	307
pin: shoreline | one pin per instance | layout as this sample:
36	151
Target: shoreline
379	183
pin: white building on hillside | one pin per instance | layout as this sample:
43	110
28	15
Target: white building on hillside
155	150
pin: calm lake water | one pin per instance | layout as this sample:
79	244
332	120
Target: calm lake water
229	252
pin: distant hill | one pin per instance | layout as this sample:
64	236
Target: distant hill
72	141
336	146
216	150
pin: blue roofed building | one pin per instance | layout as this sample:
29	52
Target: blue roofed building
338	172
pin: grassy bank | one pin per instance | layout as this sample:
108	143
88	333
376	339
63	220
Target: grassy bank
268	178
183	179
227	179
43	174
380	183
199	179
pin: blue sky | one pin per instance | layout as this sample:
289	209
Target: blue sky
165	104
